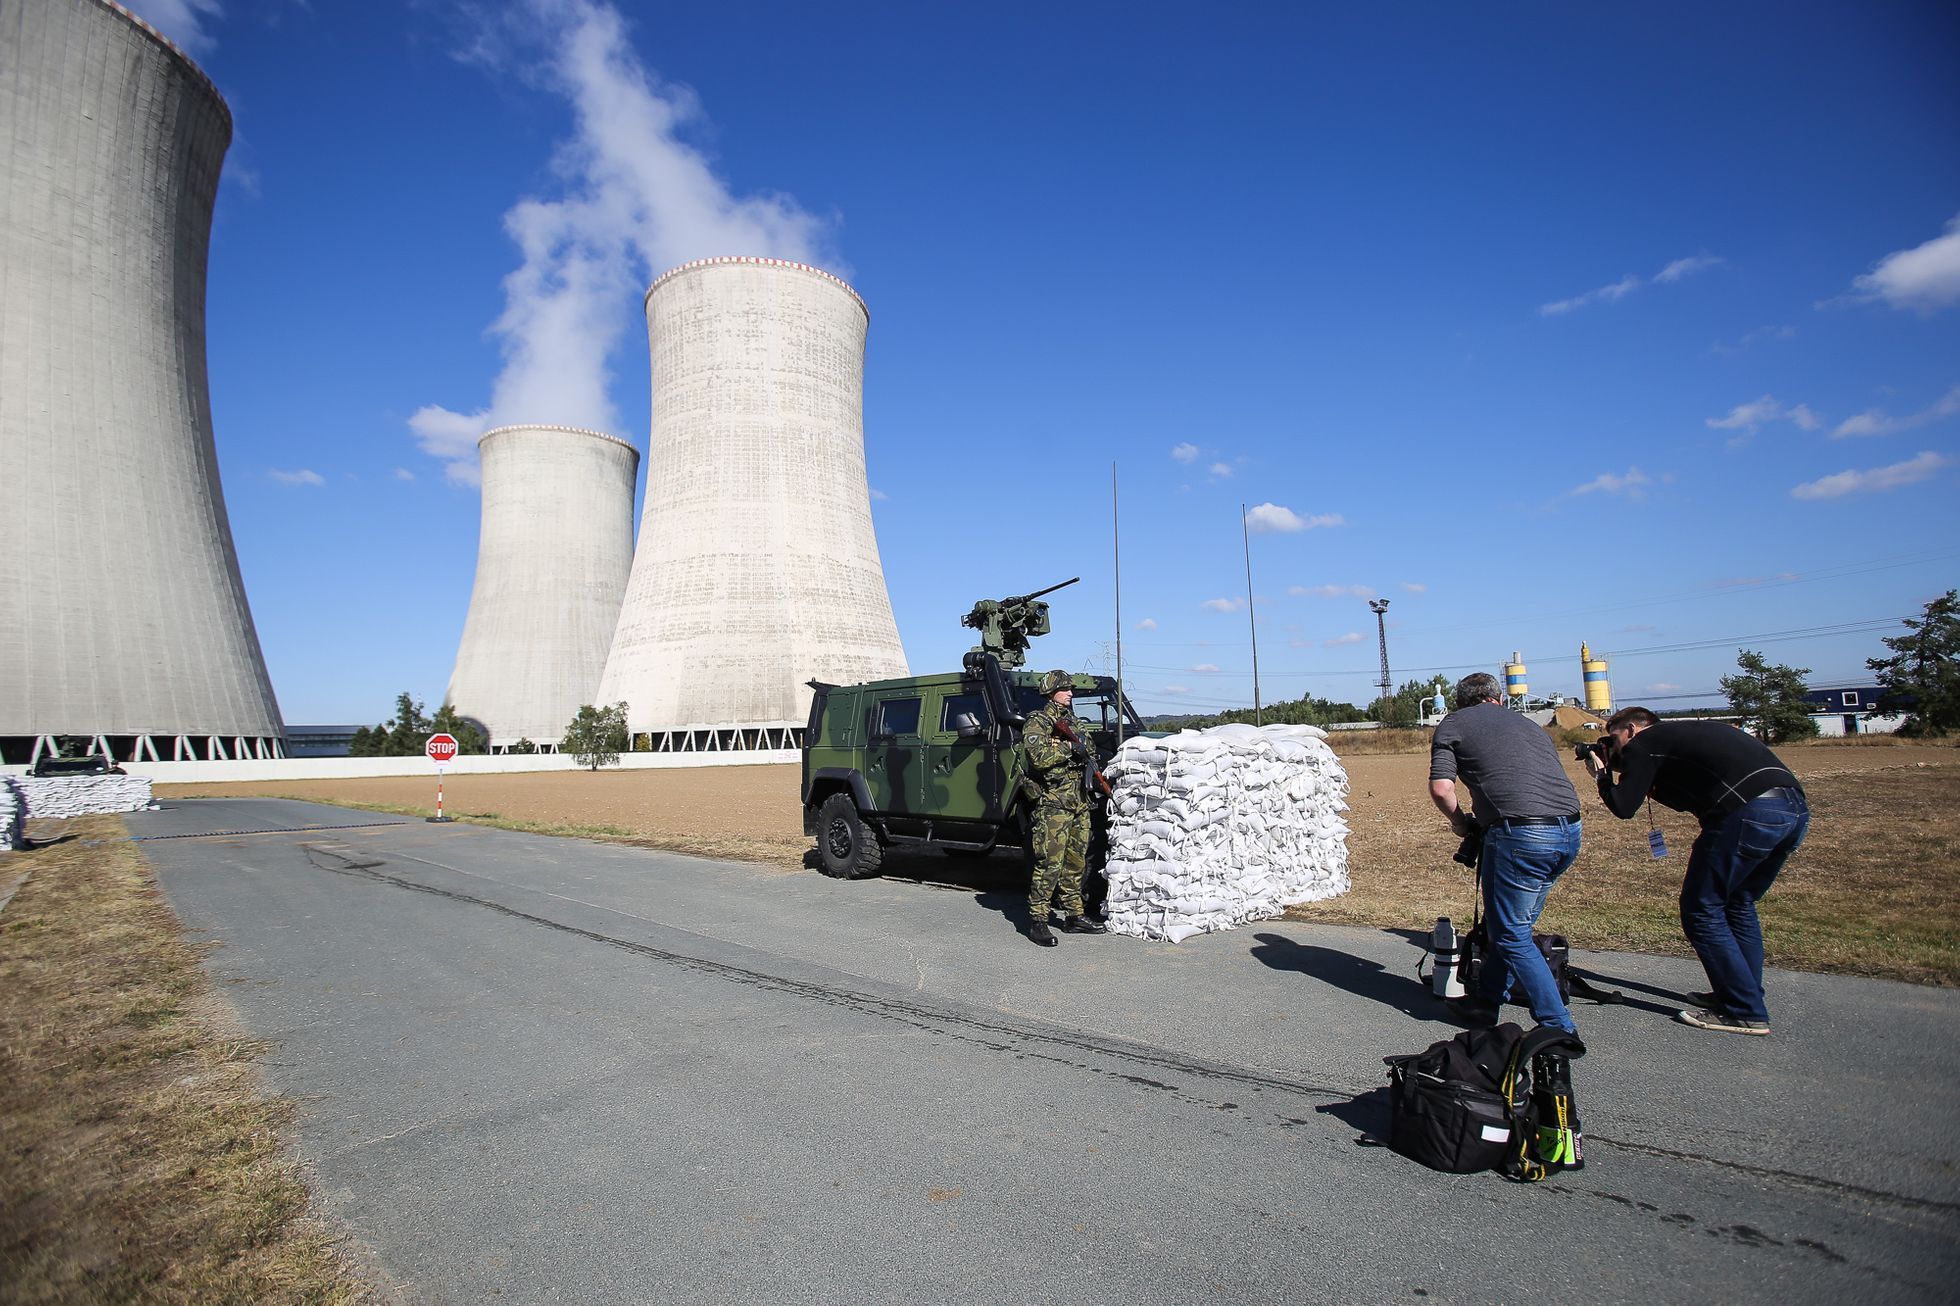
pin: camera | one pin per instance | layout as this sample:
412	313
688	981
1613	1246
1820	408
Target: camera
1599	748
1470	849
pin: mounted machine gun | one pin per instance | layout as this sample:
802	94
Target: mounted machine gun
1006	625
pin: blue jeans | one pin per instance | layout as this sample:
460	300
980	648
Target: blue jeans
1520	864
1733	863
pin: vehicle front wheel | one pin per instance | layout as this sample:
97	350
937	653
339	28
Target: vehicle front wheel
847	848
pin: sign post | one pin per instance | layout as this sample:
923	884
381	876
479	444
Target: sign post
441	750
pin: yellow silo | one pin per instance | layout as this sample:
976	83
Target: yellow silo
1514	686
1599	690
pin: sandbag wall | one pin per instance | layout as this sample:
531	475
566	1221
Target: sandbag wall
51	797
13	816
1209	829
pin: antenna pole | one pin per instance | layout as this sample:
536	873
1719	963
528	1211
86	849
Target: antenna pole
1380	608
1245	533
1116	550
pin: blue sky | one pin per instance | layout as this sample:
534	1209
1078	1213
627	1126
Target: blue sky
1547	323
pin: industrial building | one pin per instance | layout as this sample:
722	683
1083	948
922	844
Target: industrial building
553	554
757	567
123	618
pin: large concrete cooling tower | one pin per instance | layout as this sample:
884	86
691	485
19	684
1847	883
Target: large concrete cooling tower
122	614
551	566
757	568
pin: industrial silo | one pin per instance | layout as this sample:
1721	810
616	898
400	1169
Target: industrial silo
757	568
122	614
551	564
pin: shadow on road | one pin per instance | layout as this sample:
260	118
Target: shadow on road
1357	975
1366	1114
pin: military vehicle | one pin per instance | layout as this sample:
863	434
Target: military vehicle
936	761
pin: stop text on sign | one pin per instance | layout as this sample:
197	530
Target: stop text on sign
441	748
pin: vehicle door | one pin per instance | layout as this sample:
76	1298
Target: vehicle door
895	753
963	772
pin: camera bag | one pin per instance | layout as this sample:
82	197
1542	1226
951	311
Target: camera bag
1465	1104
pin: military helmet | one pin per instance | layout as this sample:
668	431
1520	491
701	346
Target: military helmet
1055	681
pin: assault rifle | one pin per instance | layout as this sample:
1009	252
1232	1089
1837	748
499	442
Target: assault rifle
1067	731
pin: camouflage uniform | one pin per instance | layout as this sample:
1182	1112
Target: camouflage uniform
1061	813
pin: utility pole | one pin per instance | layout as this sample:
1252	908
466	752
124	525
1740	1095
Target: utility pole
1245	534
1380	608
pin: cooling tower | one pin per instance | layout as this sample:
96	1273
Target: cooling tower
122	614
551	566
757	568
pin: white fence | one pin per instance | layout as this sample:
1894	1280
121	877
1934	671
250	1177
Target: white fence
348	768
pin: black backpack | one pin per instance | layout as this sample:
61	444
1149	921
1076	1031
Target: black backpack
1488	1099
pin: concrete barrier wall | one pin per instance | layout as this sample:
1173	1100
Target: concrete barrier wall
349	768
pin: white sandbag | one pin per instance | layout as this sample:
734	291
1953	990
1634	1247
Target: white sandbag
1211	829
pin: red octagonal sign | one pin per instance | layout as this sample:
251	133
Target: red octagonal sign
441	748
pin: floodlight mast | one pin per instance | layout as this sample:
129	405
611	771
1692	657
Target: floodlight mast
1380	608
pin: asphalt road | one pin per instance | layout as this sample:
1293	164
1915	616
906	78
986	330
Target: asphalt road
551	1070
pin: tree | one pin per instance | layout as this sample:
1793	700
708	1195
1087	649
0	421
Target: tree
407	735
596	736
1772	697
1922	677
1405	709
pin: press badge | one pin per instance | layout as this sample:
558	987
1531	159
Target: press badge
1657	844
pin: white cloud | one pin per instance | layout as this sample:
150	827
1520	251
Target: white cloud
1176	689
1756	337
1204	669
1415	587
632	199
1626	285
1223	605
1268	518
304	476
1185	453
1924	278
1352	637
1662	687
1148	623
1331	591
1634	484
1875	421
1220	470
1686	267
1908	472
878	495
1806	417
452	438
180	20
403	474
1749	416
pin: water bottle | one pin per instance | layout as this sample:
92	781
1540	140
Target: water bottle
1445	981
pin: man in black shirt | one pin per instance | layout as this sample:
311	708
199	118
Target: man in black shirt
1753	816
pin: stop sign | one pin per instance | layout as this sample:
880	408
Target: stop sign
441	748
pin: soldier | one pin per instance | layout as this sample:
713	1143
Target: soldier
1059	768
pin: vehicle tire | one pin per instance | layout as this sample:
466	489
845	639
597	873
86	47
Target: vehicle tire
847	848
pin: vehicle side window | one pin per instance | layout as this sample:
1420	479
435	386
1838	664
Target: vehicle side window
896	716
956	706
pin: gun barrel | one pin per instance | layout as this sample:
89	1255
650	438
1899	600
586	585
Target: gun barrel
1023	598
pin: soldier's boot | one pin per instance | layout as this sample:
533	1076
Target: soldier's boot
1083	925
1041	934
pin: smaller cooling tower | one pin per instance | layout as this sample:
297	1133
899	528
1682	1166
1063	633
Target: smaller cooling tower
1599	690
1516	691
758	568
551	564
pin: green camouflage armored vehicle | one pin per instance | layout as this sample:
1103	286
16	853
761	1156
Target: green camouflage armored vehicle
936	761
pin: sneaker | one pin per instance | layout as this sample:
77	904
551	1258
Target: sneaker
1721	1022
1706	1001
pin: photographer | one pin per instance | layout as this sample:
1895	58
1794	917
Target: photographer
1753	816
1528	813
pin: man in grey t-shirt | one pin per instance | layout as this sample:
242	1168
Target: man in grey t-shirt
1529	814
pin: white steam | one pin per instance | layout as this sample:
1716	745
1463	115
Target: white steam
634	201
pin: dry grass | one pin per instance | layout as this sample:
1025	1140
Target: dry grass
1868	894
141	1161
1872	892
